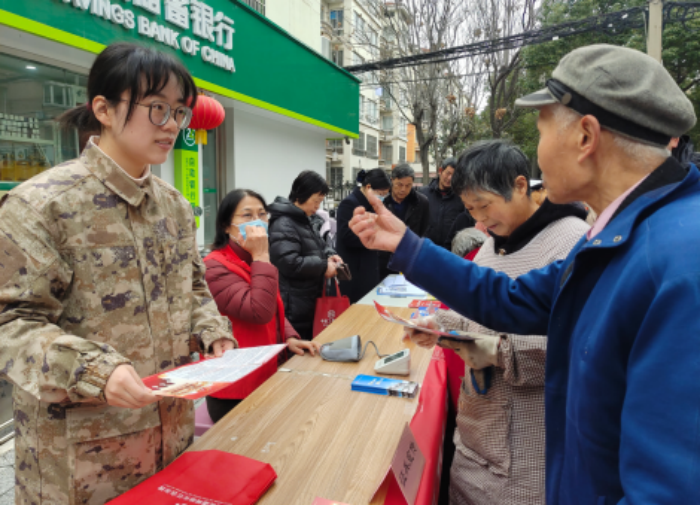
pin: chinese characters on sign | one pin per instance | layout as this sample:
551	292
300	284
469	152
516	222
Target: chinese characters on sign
407	465
330	317
186	155
188	498
210	26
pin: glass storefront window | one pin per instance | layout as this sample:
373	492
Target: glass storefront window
32	96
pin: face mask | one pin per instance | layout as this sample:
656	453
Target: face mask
257	222
381	197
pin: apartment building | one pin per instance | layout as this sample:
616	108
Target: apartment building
352	34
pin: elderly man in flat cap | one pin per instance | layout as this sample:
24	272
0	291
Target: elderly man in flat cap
622	312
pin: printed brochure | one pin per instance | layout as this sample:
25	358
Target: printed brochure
211	375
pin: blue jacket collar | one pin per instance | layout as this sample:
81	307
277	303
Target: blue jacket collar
620	228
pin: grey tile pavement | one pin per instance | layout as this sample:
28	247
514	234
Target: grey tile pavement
7	474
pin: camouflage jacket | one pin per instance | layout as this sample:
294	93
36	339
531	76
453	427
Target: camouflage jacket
96	271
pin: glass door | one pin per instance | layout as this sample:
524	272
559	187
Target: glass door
210	189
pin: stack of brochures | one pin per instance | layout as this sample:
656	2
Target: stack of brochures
399	286
383	386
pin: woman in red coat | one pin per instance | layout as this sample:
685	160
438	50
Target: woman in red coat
245	287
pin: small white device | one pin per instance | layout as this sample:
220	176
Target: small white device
398	363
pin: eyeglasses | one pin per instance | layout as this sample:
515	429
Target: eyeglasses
249	216
159	113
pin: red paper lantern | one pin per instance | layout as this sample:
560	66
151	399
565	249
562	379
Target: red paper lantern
206	115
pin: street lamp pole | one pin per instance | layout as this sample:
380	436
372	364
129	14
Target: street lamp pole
656	28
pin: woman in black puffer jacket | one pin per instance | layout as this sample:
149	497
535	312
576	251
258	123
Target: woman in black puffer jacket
363	262
299	253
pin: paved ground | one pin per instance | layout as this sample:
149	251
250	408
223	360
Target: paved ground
7	473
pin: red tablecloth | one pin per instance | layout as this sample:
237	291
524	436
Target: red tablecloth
428	426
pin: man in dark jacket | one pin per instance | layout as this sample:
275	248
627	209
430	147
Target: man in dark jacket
445	206
620	312
408	205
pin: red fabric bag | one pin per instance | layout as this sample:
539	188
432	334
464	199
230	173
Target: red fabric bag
329	308
194	477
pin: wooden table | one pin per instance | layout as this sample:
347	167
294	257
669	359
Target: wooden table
323	439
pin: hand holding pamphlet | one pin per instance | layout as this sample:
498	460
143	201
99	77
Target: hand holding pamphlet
408	323
211	375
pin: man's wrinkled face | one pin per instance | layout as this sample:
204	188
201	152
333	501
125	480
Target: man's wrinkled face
556	157
446	177
400	188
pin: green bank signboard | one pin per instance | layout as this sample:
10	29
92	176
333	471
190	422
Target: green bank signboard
186	156
229	48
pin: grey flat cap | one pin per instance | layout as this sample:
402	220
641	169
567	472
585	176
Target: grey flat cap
626	90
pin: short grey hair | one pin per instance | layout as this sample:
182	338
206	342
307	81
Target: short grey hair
638	151
402	171
467	240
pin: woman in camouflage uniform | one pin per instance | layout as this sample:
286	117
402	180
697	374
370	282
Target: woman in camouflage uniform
101	284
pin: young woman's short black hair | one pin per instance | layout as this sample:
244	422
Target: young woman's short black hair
376	178
492	166
402	171
142	71
226	211
307	184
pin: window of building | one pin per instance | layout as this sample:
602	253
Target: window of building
402	155
371	109
403	126
326	47
337	22
372	147
335	145
334	176
360	27
357	59
32	96
258	5
373	44
388	154
403	98
358	145
388	124
337	57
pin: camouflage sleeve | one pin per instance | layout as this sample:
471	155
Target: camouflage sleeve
35	353
208	325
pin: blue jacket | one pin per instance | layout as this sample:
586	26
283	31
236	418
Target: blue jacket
622	313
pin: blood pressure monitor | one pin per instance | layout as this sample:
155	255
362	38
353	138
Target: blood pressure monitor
395	364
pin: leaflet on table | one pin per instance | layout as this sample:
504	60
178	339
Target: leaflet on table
211	375
387	315
416	304
399	286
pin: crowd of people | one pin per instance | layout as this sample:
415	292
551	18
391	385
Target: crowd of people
578	388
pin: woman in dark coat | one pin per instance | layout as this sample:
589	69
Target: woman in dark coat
299	253
363	263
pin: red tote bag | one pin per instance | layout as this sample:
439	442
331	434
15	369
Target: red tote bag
195	477
329	308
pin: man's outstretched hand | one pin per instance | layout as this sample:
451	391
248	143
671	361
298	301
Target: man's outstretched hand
381	231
